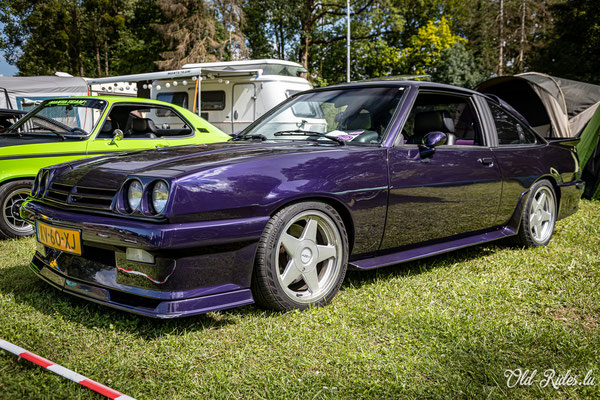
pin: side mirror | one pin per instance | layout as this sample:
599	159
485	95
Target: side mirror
430	142
117	136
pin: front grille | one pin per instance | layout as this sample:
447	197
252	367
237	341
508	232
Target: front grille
80	196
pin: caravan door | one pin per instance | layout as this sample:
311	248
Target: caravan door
244	106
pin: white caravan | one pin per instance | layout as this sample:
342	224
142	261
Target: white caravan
229	95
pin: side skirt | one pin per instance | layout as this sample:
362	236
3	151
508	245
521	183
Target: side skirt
430	250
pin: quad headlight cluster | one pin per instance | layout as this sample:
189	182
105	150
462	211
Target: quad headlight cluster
40	184
149	199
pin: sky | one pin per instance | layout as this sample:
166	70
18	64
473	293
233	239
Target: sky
5	68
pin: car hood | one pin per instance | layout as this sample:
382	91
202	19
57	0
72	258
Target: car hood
174	162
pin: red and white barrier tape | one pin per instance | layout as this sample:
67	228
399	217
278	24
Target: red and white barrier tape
64	372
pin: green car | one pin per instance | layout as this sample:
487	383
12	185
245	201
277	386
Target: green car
66	129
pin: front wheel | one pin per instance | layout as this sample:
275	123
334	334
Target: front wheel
539	216
301	259
12	196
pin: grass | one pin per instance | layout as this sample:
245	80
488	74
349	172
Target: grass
443	327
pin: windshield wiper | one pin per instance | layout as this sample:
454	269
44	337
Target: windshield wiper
11	131
258	136
51	130
79	130
299	132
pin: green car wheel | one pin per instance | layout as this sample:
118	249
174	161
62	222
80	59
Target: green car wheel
12	195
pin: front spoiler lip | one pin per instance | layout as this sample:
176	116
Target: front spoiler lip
166	309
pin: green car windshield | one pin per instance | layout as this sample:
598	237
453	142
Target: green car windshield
61	117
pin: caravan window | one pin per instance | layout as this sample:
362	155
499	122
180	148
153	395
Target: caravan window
212	100
178	98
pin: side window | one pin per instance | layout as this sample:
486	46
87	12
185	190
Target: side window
452	114
212	100
143	122
510	130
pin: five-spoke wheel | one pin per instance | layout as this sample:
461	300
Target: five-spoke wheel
539	216
302	257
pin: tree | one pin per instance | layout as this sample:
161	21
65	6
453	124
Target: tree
457	66
82	37
200	31
574	40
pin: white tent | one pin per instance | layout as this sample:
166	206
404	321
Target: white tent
23	93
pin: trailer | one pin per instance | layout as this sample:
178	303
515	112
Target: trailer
229	95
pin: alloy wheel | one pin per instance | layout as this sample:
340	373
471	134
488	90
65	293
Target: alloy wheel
541	214
310	256
11	212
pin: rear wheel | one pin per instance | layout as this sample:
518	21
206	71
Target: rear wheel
12	196
539	216
302	258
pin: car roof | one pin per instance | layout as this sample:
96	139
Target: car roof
401	83
115	99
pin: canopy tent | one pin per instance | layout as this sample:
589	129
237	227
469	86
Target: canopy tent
557	108
23	93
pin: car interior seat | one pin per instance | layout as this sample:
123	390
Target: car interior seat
142	128
430	121
106	132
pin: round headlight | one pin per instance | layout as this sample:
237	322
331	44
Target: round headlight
134	195
160	195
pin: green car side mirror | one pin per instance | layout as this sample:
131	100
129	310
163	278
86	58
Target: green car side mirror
117	136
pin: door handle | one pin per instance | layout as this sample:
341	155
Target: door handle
486	161
235	114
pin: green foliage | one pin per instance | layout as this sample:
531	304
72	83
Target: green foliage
82	37
456	66
424	54
574	43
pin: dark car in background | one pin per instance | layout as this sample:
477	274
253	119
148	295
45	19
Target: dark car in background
9	117
362	175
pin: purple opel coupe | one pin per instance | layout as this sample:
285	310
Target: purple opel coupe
357	175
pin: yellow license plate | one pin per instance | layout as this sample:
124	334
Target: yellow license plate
68	240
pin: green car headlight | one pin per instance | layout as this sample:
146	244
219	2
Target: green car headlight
134	194
160	195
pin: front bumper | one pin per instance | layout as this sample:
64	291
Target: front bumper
199	267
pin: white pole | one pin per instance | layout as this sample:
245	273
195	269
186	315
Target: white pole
348	46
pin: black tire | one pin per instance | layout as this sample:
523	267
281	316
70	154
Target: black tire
533	215
12	195
268	288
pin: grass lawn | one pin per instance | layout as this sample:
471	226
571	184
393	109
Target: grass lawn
443	327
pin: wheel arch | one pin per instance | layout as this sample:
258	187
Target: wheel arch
339	206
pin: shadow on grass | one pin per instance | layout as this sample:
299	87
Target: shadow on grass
25	287
358	278
22	284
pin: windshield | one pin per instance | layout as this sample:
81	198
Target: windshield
353	115
62	117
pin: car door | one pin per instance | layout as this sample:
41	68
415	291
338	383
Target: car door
520	154
454	191
140	123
